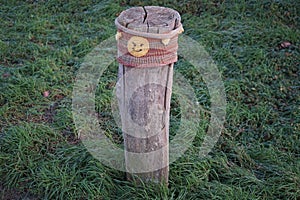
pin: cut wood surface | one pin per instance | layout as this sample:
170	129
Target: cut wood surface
144	99
151	19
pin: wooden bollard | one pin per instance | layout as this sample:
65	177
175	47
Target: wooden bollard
147	50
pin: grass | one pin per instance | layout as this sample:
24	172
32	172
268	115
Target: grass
43	43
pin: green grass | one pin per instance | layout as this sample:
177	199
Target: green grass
43	43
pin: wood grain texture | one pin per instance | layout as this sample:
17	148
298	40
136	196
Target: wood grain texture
144	96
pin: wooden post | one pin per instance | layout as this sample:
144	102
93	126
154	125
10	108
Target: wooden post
147	49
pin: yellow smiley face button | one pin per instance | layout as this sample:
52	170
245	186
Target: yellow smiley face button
138	46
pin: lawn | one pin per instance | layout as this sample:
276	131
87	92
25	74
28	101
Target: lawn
254	44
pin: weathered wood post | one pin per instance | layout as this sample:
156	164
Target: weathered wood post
147	50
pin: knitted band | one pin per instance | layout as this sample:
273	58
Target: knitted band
142	49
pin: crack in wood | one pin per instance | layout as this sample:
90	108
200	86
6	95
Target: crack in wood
146	15
166	89
176	23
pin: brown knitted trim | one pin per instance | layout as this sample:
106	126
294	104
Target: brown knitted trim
134	51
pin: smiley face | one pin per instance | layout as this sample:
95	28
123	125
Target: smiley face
138	46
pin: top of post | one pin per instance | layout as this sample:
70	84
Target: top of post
150	21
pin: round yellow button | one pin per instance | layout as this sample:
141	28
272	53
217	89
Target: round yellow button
138	46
